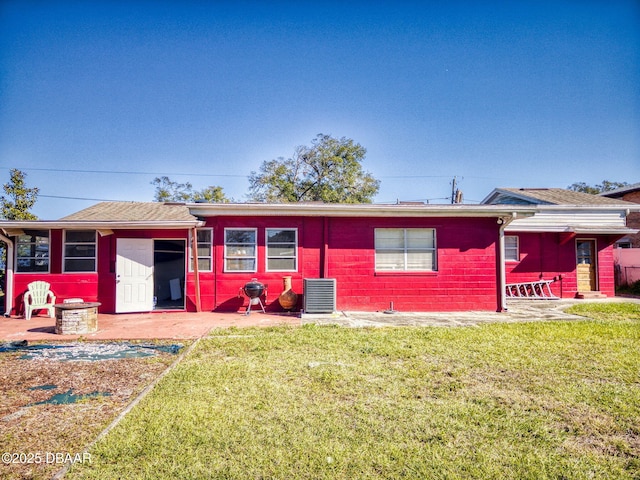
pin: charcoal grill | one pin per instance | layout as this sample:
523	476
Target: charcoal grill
254	290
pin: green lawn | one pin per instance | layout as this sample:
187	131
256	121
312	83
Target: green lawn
535	400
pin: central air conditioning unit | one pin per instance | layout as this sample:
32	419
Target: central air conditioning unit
319	295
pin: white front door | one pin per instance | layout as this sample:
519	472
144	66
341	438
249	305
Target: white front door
134	275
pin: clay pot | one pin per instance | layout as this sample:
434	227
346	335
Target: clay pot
288	299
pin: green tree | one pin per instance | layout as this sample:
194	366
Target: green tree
605	186
211	194
19	199
170	191
330	171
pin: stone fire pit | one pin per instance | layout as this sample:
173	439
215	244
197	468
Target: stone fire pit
76	318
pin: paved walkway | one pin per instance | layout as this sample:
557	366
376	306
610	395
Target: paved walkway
182	325
518	311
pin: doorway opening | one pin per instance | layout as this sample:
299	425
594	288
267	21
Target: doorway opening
169	274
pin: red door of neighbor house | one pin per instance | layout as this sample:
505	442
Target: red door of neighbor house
586	268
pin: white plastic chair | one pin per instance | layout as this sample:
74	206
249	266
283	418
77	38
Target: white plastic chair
39	297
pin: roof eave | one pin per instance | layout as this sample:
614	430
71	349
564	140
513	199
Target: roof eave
359	210
621	191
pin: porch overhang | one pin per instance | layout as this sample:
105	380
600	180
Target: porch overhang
17	227
573	230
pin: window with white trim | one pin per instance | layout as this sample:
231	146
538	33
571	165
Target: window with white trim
204	238
405	249
32	251
511	248
282	249
240	249
80	248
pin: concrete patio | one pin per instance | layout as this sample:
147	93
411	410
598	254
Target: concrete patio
183	325
141	326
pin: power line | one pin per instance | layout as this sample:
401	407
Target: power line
69	170
200	174
415	176
80	198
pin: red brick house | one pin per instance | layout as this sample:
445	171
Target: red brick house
135	256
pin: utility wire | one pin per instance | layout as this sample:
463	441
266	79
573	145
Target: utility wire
81	198
68	170
200	174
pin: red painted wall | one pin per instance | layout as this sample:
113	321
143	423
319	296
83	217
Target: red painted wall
466	276
221	290
606	270
549	255
63	285
466	266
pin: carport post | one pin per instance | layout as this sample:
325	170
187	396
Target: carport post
196	273
502	271
8	294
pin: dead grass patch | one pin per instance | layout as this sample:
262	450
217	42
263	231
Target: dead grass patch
28	427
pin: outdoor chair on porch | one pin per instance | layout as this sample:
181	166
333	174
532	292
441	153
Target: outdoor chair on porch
39	297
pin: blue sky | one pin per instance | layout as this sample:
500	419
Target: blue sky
98	98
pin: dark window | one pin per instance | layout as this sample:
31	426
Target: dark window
32	251
80	251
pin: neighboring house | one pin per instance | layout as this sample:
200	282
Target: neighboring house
627	255
570	238
135	257
630	193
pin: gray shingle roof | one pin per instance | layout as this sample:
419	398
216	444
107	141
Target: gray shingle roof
133	211
550	196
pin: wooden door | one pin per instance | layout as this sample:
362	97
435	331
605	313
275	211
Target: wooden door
586	268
